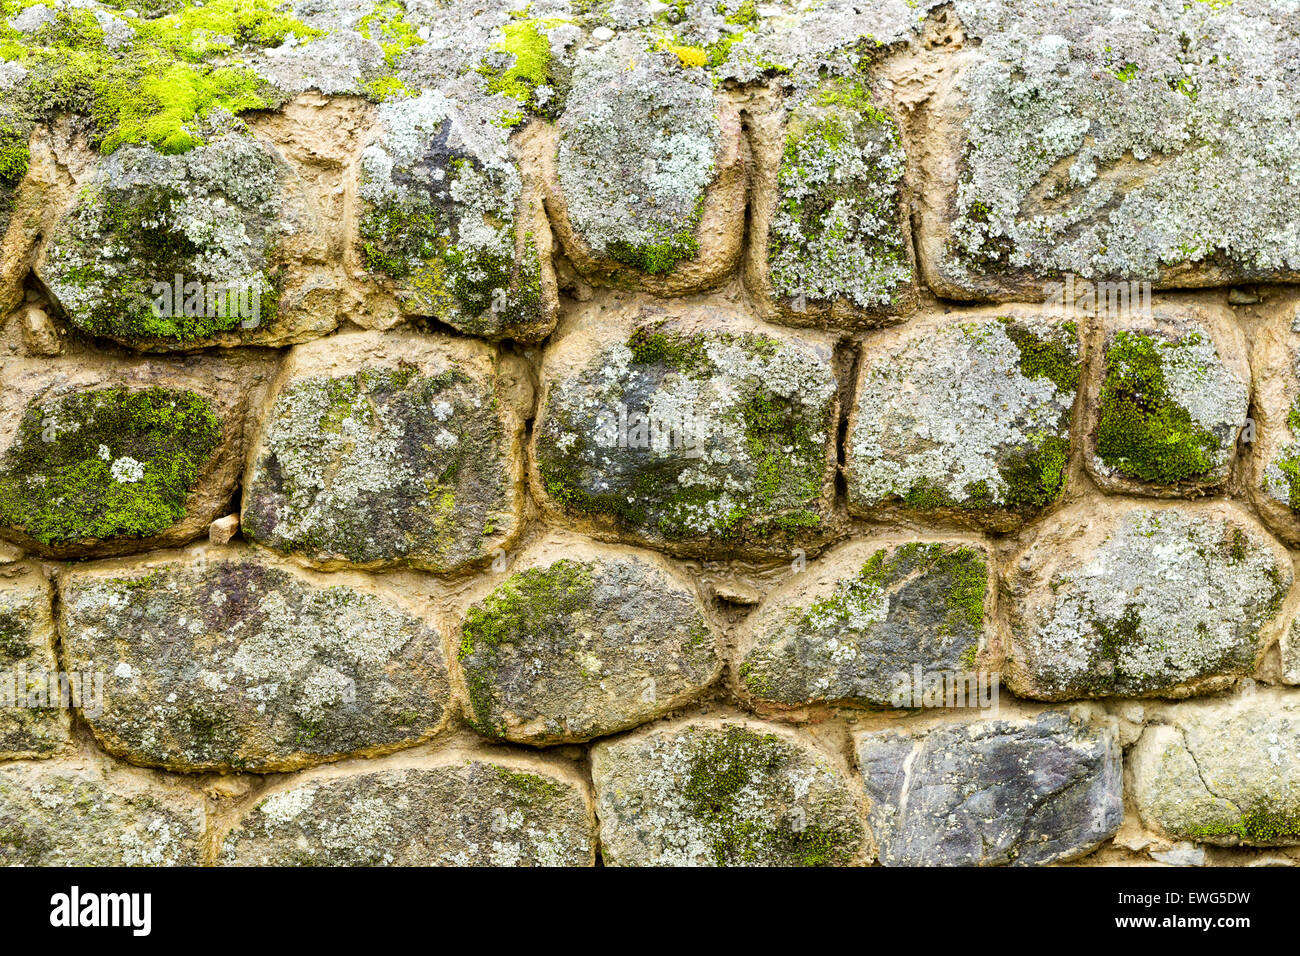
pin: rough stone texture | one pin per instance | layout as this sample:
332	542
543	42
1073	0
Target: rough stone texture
830	243
209	224
582	641
1167	401
379	450
1275	450
32	723
851	628
226	661
637	119
1156	145
449	217
967	418
1222	772
1023	791
723	793
1137	601
83	812
692	430
109	456
475	809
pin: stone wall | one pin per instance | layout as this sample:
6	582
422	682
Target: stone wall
650	433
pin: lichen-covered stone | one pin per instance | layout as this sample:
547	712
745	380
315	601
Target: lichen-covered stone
385	449
114	456
81	812
965	419
1224	772
473	809
1069	140
225	661
1275	427
450	218
173	252
648	182
1167	402
1018	790
722	793
32	721
851	628
1129	601
830	242
581	642
696	432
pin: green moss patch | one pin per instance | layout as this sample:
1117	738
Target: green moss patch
1142	431
533	602
155	86
105	464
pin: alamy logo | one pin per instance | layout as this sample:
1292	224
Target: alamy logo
206	300
681	431
74	909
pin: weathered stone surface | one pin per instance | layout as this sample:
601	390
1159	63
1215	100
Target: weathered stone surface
648	181
82	812
386	449
1068	140
695	431
1275	448
582	641
1134	601
1223	772
226	661
472	809
32	724
829	243
966	419
1017	790
114	456
172	252
852	627
723	793
450	217
1167	402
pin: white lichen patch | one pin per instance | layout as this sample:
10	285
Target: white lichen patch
1168	598
475	814
1103	142
941	412
278	675
836	230
718	795
637	151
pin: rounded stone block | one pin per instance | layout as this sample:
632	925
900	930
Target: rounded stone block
696	431
1118	599
113	456
1060	140
1167	402
646	182
1224	772
452	219
583	640
86	812
964	418
225	660
1024	791
1275	436
177	252
380	450
852	627
723	792
455	809
34	718
830	244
